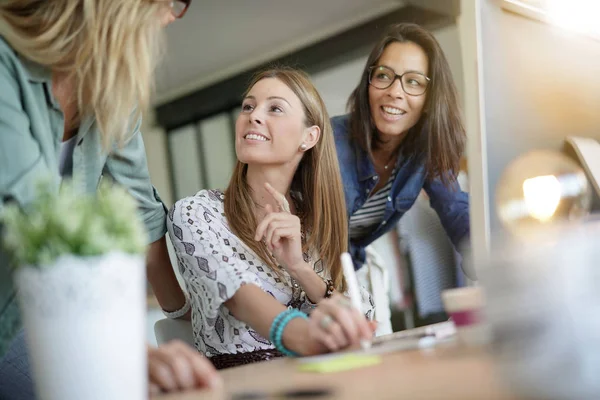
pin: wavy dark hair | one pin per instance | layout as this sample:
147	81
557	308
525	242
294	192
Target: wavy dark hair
438	138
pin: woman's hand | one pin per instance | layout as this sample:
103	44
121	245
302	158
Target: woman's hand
335	325
281	231
177	366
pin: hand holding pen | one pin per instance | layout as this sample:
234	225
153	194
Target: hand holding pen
336	324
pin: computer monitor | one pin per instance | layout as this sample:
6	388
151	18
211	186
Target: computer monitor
539	83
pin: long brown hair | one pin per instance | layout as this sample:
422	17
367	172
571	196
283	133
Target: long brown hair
317	179
438	138
109	48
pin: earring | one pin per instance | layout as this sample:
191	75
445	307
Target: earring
303	147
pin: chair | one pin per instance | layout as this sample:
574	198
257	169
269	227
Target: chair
168	329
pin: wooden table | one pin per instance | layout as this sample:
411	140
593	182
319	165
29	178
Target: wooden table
436	373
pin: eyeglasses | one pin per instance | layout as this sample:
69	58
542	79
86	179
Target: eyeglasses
179	7
413	83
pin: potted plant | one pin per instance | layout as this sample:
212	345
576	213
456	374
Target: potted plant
80	280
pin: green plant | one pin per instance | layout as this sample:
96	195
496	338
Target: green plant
67	222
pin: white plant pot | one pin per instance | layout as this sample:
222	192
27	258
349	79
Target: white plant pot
84	321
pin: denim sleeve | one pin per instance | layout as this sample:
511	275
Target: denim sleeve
452	206
129	168
358	255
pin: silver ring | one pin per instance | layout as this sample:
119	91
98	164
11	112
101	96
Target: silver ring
325	322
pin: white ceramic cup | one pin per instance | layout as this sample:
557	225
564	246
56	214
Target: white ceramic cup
464	306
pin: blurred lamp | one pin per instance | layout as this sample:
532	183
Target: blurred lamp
542	187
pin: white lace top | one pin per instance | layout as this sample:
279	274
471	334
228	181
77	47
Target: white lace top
214	264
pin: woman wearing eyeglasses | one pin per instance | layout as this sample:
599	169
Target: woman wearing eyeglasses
404	133
75	76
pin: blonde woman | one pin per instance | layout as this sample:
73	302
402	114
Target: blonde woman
261	256
75	76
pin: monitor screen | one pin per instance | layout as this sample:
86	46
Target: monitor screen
539	84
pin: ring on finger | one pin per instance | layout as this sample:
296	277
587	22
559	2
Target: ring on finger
325	322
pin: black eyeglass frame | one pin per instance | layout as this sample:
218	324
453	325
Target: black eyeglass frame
396	76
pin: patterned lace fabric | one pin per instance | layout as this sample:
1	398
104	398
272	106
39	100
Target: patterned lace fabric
214	264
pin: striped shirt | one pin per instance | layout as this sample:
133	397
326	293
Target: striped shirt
366	218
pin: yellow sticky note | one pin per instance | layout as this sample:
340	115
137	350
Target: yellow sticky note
342	363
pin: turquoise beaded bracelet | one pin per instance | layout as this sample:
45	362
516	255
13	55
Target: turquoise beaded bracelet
276	323
278	326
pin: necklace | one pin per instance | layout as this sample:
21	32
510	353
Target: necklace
390	161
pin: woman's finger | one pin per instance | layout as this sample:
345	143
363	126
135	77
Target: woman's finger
317	332
287	232
279	198
328	341
343	316
335	330
268	209
275	221
262	225
153	389
360	321
366	328
204	373
271	228
331	333
171	354
276	238
373	326
267	220
282	232
159	372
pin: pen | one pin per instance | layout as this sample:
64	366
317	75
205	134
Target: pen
353	291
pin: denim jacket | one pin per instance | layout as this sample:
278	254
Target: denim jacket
359	178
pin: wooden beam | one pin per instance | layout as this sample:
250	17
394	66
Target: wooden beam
447	7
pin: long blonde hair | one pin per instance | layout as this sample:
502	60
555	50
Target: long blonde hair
109	48
317	179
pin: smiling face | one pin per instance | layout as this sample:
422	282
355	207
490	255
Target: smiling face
393	111
270	128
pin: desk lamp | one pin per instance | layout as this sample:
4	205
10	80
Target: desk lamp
539	188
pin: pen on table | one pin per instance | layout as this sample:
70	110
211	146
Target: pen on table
353	291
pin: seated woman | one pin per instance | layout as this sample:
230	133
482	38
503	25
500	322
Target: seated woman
259	257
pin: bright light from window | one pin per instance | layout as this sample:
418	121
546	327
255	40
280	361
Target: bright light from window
576	15
542	195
